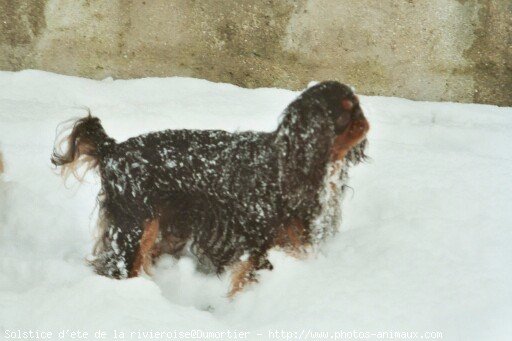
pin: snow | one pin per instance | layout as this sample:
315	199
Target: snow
424	244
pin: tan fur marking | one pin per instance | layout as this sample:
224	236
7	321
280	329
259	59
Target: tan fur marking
242	274
354	134
82	159
1	163
292	239
169	244
347	104
144	256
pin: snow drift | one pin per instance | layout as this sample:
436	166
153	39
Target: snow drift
424	245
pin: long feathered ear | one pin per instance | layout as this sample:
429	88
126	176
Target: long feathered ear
303	148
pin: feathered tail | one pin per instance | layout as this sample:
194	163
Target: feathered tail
82	147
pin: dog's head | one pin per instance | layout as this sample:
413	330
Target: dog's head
325	123
345	119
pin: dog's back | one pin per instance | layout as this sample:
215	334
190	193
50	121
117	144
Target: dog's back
202	181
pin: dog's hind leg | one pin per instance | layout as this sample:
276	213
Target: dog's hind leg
125	244
144	255
169	244
173	240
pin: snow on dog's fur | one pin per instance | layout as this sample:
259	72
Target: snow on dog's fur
227	195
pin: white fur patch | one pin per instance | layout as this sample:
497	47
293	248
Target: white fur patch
327	221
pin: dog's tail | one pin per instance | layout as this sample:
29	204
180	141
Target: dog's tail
82	147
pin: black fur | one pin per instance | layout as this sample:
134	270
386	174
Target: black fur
226	194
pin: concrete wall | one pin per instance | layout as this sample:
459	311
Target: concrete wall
451	50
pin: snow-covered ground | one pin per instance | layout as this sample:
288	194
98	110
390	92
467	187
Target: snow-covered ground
425	245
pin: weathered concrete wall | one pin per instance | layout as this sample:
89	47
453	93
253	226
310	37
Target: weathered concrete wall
421	49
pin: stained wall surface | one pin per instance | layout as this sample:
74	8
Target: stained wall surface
442	50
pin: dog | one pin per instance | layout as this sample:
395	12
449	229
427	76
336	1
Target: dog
227	198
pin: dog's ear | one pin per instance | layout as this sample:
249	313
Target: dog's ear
303	142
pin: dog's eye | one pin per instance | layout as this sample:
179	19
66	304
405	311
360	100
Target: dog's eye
347	104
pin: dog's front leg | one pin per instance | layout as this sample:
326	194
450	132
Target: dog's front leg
244	272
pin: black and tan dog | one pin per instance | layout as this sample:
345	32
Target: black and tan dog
226	197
